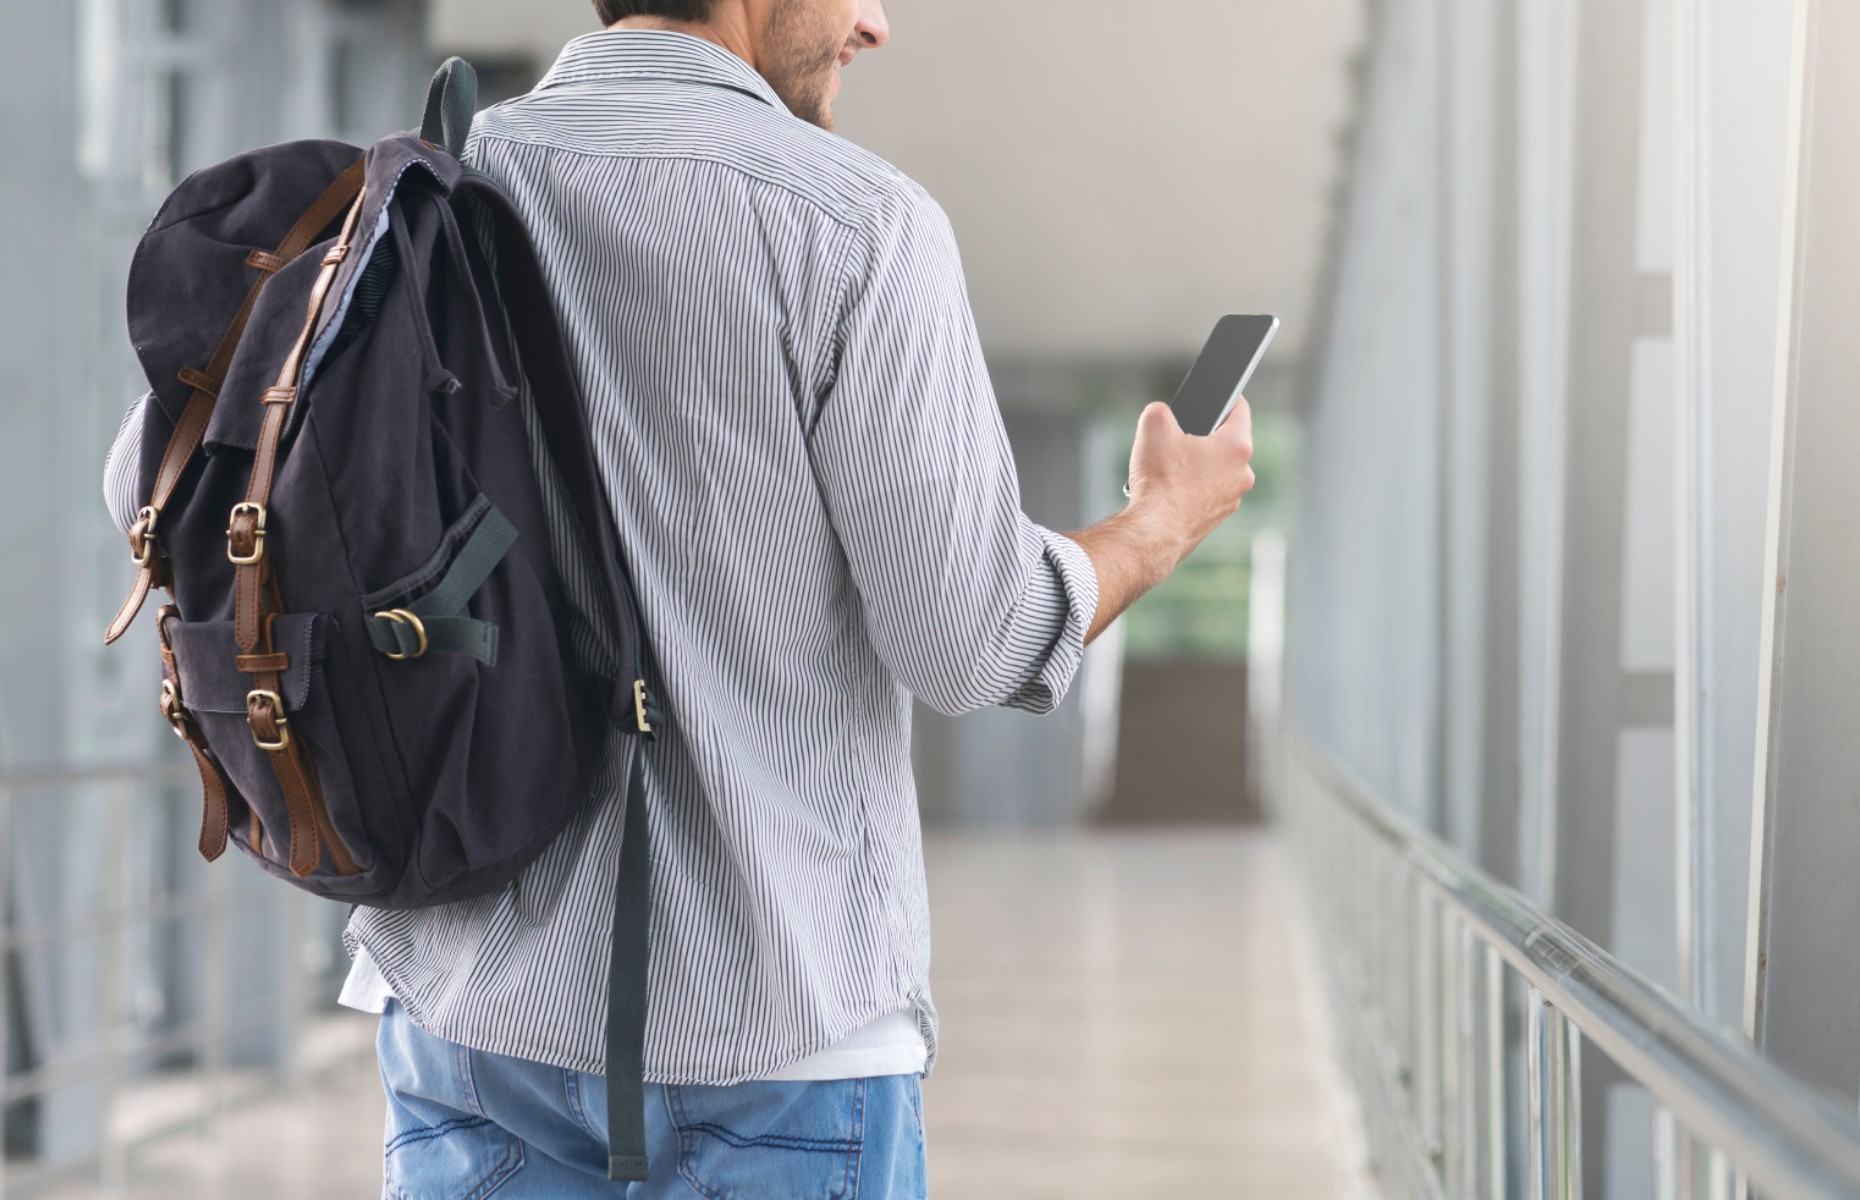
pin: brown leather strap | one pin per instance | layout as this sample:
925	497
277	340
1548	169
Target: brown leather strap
192	427
264	714
299	807
325	827
245	528
310	826
214	818
324	211
200	381
126	615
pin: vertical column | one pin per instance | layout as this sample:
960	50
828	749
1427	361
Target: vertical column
1470	73
1803	973
1692	744
1613	829
1594	697
1501	782
1265	672
1365	676
1545	52
1731	77
357	72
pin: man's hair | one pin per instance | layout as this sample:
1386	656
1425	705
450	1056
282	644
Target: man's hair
674	10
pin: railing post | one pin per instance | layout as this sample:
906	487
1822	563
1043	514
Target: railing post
1450	1024
1480	1128
1686	1168
113	1162
8	933
1556	1103
1400	989
1496	1093
1671	1177
1424	1020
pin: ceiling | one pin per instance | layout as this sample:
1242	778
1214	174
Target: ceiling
1116	181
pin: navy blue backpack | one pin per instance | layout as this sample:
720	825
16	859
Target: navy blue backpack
368	645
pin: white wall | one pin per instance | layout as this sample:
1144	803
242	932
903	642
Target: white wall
1591	360
1118	174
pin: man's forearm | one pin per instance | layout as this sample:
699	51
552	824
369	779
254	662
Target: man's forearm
1131	555
1181	487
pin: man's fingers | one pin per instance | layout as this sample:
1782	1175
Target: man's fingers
1239	423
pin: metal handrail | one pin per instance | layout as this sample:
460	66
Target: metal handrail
1783	1134
35	778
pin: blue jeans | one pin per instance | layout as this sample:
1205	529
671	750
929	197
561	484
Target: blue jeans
464	1124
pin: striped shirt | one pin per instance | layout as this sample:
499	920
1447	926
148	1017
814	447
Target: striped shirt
818	502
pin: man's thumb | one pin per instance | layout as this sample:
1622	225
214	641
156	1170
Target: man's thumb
1156	420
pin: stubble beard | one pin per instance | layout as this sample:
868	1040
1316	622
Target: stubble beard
804	57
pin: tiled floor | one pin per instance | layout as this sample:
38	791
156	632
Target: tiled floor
1126	1015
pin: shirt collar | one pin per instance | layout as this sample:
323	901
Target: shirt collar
655	54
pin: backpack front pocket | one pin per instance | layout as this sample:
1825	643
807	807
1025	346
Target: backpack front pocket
220	698
424	611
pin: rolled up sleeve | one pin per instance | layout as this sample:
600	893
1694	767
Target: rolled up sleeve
965	599
1063	607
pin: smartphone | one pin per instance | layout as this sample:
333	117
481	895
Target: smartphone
1221	373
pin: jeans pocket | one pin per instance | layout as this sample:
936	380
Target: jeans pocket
463	1158
437	1146
799	1141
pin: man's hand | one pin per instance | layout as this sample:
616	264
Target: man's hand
1181	487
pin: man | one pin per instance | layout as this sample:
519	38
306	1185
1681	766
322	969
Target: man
819	507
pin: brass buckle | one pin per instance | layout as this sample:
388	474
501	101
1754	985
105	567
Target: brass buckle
143	545
639	705
258	534
172	709
277	715
401	616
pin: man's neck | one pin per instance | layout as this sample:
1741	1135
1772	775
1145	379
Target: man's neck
726	28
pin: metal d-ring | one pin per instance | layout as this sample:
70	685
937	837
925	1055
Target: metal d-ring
401	616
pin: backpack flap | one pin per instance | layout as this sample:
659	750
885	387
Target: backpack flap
277	319
204	654
194	267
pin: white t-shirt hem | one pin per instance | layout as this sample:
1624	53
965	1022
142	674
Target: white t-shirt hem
891	1045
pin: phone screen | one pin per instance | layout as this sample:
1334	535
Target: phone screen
1219	375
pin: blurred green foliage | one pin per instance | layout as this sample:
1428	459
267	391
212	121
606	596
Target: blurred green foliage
1201	610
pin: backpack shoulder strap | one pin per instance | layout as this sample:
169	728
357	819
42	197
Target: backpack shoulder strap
531	311
152	567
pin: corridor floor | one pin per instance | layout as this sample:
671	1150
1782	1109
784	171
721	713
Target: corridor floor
1127	1014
